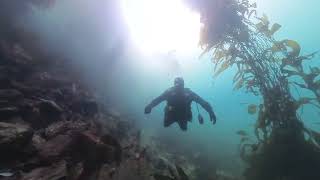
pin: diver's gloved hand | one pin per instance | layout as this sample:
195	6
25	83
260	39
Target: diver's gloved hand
147	110
213	118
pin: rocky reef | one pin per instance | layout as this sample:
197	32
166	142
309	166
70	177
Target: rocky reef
52	127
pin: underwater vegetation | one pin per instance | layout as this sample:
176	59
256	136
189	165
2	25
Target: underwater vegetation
237	37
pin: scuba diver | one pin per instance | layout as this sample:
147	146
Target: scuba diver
178	108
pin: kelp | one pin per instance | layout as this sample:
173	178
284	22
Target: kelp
238	38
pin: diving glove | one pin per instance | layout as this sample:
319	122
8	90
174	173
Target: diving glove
213	118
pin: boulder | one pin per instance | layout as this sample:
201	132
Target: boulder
48	106
57	171
30	113
62	127
27	90
133	170
38	141
14	136
14	141
90	148
55	149
80	146
107	172
40	114
49	111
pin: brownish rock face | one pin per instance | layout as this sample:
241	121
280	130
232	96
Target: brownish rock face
14	136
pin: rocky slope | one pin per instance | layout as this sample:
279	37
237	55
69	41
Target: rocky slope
51	127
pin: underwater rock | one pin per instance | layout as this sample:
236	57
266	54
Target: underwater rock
4	77
175	174
10	95
89	150
71	137
94	149
37	141
49	106
8	112
30	114
27	90
56	171
14	136
109	140
86	107
55	148
49	111
17	120
80	146
182	174
62	127
133	170
162	177
47	81
222	175
107	172
124	130
161	163
14	142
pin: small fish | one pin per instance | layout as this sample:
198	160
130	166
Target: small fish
252	109
242	133
6	174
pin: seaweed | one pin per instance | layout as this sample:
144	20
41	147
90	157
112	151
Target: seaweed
236	37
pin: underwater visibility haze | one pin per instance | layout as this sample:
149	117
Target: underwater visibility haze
234	56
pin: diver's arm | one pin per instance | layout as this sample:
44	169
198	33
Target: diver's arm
156	101
205	106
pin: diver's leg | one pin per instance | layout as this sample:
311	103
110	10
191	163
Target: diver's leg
183	125
168	120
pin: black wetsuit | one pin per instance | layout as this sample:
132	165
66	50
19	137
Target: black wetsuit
178	107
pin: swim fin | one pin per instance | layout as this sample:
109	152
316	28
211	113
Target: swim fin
200	118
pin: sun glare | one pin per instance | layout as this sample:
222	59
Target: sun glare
158	26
